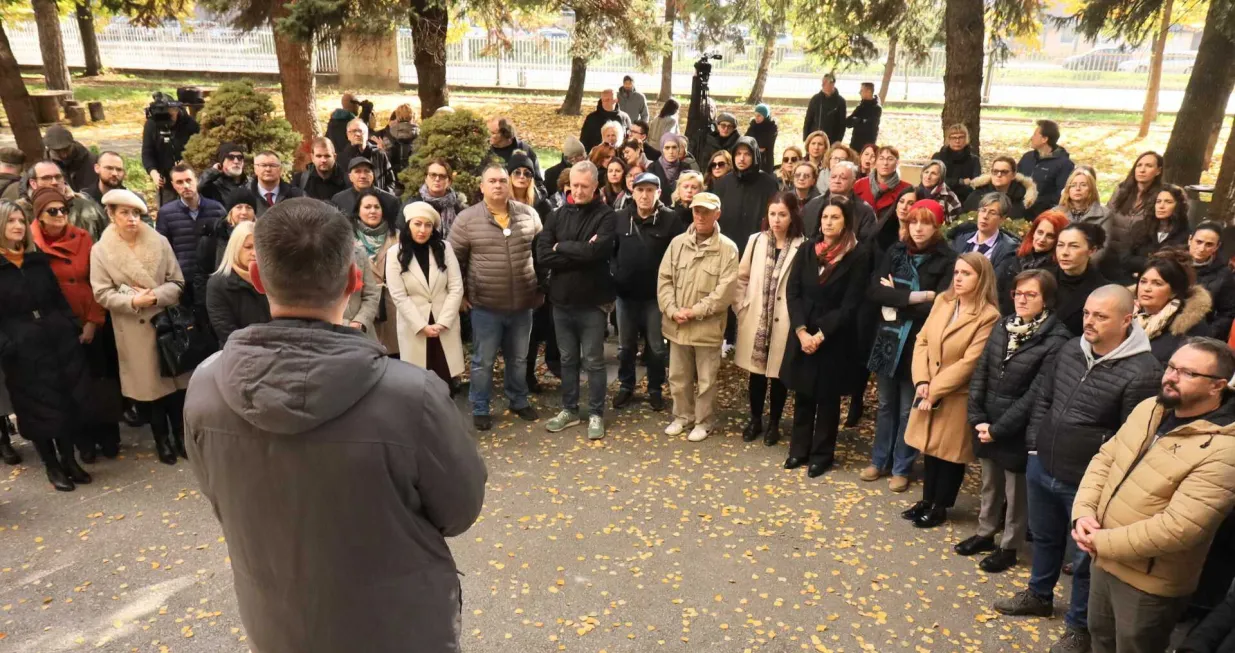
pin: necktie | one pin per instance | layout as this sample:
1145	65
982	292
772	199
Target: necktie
269	199
984	248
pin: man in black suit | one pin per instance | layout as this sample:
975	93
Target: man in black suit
268	184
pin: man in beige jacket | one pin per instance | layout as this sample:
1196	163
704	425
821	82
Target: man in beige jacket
694	287
1152	499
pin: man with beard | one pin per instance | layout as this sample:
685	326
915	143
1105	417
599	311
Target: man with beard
226	175
323	178
359	145
11	162
73	157
1096	382
504	142
83	212
110	171
1153	498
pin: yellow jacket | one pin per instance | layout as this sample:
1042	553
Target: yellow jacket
701	277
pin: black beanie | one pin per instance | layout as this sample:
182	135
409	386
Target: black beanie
242	195
519	160
225	149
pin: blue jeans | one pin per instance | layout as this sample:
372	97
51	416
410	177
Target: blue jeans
635	315
511	331
890	450
1050	519
581	334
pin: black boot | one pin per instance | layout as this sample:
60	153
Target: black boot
753	428
133	417
87	451
178	441
163	445
7	453
771	434
71	469
55	473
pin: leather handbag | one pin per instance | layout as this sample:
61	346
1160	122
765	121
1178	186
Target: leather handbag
182	343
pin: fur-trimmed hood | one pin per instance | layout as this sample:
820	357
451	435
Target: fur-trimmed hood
1192	311
1030	190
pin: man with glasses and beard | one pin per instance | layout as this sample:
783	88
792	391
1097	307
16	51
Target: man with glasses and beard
110	170
83	212
226	175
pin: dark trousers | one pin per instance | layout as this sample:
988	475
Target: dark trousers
1050	520
166	415
941	481
542	331
815	423
52	451
759	391
1123	619
635	317
105	436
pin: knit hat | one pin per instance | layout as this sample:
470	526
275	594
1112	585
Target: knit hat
421	210
242	195
226	148
725	116
124	197
44	196
932	206
519	160
12	156
57	138
573	148
763	110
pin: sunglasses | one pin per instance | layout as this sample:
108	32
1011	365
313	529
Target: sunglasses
56	211
521	172
1000	172
234	157
719	164
791	159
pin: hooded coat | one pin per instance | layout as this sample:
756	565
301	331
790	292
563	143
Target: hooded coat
78	167
744	196
589	135
1050	176
1022	193
765	134
336	474
1192	319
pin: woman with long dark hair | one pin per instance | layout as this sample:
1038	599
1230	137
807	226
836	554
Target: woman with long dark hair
424	279
1168	228
371	307
1133	201
826	288
613	190
666	122
763	313
1170	306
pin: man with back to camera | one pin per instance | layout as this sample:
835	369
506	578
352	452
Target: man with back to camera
294	411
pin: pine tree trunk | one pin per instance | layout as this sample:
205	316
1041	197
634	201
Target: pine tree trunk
89	40
888	69
573	102
430	20
1150	112
51	44
761	76
1205	99
298	84
666	62
16	102
1222	208
962	88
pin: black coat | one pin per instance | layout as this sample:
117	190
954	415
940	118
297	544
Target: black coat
214	185
1002	389
78	168
865	223
345	201
962	166
1006	273
322	188
1143	241
504	153
1005	246
45	368
233	304
828	308
579	268
183	232
383	172
1216	634
1072	293
640	245
286	192
826	113
1217	278
164	148
765	134
865	123
934	273
589	135
744	197
210	248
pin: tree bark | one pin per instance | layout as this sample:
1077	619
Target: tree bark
573	102
16	102
666	62
962	88
89	40
1150	112
889	68
1222	208
429	21
761	75
298	84
51	45
1205	99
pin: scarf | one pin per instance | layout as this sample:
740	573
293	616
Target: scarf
446	206
773	267
15	257
892	336
879	188
672	170
371	238
829	257
1154	325
1020	331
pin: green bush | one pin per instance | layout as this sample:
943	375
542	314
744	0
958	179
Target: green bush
460	138
1016	226
239	114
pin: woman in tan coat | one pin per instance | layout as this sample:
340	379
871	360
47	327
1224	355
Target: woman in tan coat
944	357
426	285
763	314
376	233
134	274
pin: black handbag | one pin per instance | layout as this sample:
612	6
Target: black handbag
182	343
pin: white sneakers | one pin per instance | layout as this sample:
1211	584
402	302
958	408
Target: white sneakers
676	427
698	434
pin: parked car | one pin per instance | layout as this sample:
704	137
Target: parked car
1172	62
1106	58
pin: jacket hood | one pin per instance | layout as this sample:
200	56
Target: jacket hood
1031	190
1136	343
749	141
1057	153
1195	308
341	114
290	376
1219	422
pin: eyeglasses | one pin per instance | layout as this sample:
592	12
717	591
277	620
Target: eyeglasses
437	176
268	165
522	172
791	159
56	211
719	164
1189	374
1000	171
50	178
802	175
1027	296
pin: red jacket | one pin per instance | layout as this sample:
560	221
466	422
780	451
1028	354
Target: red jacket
863	189
70	261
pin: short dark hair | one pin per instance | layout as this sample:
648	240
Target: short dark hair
1046	282
306	248
1004	159
182	167
869	86
268	153
1094	234
1050	131
627	78
643	124
111	153
1224	358
1207	225
506	128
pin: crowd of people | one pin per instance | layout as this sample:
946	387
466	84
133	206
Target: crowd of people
1084	366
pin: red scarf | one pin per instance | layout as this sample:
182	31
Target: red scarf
829	256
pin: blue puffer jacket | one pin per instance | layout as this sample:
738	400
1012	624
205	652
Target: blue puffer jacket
179	228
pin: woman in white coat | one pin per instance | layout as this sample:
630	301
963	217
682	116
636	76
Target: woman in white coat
763	315
423	277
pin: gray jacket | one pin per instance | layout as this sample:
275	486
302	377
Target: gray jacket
336	473
635	104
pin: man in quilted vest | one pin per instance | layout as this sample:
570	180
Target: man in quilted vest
1152	499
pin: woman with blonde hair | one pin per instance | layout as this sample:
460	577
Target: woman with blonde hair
719	165
960	162
838	152
689	183
790	159
1080	201
816	146
945	355
231	300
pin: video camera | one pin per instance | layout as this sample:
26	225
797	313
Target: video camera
704	67
160	109
699	115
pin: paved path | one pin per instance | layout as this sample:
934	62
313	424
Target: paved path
637	543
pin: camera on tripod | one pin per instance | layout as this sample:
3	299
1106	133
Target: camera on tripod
160	109
704	67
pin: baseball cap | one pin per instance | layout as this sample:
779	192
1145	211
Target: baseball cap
647	178
359	161
706	200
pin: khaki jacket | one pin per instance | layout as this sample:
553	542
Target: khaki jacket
700	277
1159	502
748	304
416	298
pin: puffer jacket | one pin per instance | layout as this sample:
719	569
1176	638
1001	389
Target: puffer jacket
1022	194
576	248
1216	277
702	278
744	196
1083	401
1003	388
640	245
1160	499
497	270
183	232
1190	320
1050	175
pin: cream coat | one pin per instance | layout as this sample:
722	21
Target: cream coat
698	276
115	270
415	298
748	304
362	305
387	330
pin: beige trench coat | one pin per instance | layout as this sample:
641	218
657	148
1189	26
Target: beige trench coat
115	269
362	305
386	330
699	277
748	304
415	298
945	356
